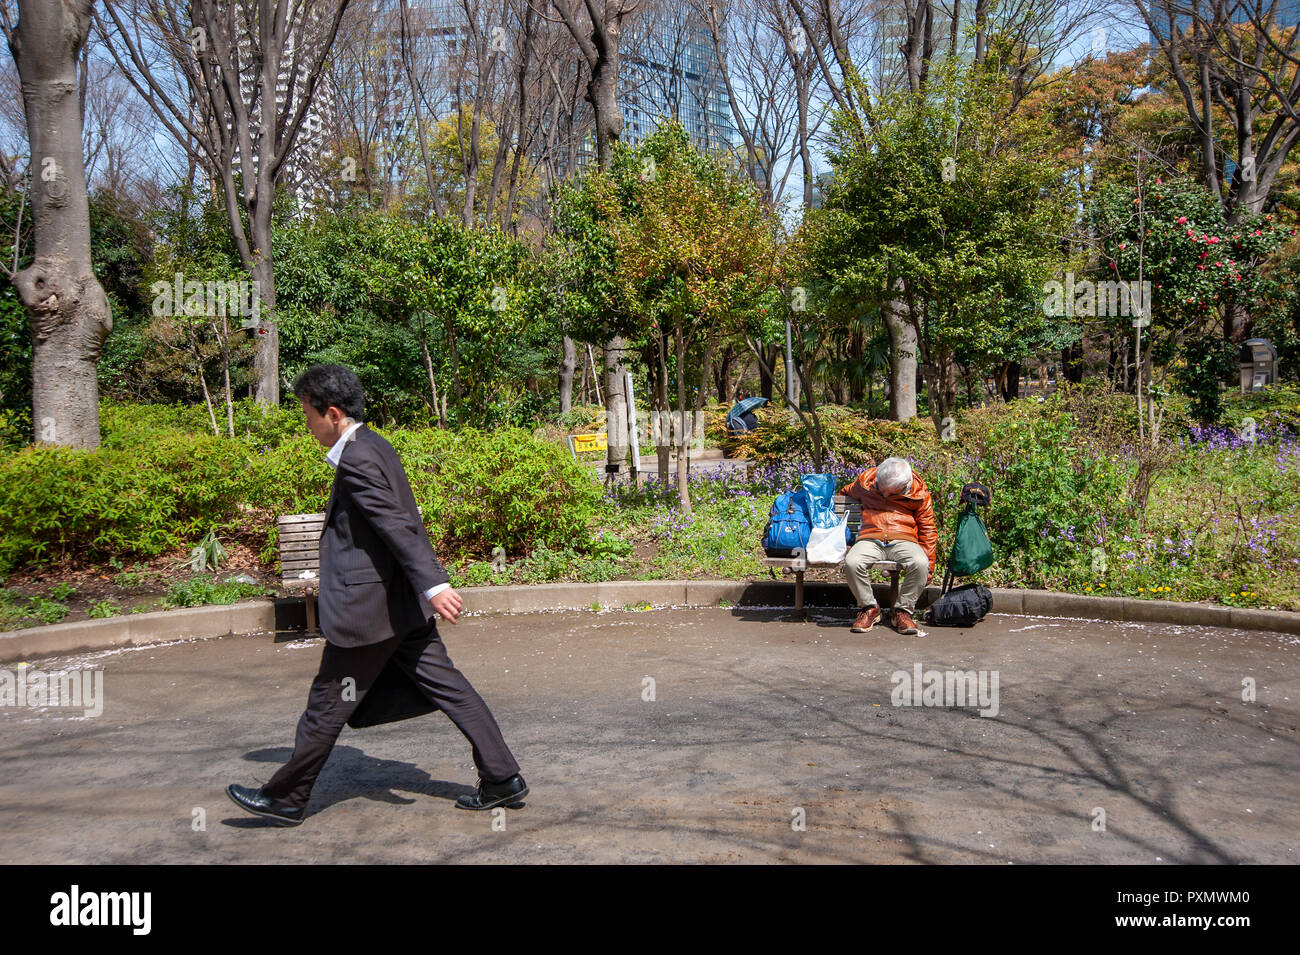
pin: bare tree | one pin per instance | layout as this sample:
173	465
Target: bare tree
232	57
596	27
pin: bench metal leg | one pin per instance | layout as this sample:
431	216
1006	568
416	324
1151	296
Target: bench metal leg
798	590
311	611
893	588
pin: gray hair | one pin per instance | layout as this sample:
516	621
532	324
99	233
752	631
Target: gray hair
893	476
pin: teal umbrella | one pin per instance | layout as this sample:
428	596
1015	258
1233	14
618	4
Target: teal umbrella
745	405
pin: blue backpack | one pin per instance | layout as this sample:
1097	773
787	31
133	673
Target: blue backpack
788	525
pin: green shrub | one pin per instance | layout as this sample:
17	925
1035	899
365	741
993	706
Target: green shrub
104	608
477	573
1274	408
47	611
133	425
201	591
95	504
481	490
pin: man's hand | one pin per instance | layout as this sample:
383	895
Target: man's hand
448	604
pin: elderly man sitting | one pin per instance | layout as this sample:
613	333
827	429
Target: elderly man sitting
897	525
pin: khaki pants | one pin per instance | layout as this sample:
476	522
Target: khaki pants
913	567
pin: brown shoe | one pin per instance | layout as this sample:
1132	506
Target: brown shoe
903	622
865	620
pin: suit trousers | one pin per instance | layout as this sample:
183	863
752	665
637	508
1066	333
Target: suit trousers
422	656
913	567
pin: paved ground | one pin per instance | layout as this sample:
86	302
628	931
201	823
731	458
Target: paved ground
757	720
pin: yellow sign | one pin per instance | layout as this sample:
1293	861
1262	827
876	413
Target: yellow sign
587	442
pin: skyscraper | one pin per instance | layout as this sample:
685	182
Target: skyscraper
671	71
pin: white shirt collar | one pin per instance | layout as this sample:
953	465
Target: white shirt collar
336	452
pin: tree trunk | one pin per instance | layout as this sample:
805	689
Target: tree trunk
1072	363
705	371
230	401
567	365
683	484
439	410
67	310
207	399
903	347
662	448
615	403
1009	381
770	354
722	376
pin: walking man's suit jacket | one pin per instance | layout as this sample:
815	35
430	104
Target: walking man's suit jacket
376	560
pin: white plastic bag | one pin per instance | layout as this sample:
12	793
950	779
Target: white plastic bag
826	545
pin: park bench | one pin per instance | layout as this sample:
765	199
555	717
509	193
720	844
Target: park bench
300	557
798	564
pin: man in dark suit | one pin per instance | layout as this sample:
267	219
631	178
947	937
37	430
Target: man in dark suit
380	587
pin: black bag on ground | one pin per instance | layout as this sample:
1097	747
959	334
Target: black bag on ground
962	606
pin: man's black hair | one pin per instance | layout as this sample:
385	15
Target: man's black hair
325	385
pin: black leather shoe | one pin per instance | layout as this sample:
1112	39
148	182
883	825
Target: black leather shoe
490	795
260	804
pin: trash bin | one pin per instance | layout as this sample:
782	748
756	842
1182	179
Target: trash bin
1258	360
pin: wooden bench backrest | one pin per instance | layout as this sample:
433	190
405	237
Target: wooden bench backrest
300	544
853	508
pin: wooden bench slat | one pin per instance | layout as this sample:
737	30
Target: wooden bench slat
291	568
300	547
302	518
310	539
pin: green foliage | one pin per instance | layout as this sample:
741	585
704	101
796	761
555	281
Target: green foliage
846	434
952	204
1275	408
374	290
206	553
104	608
1194	259
200	591
47	611
503	488
150	498
1208	363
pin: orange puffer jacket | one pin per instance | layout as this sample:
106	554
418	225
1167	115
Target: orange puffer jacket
908	516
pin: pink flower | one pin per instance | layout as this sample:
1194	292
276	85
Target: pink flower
1182	220
1190	234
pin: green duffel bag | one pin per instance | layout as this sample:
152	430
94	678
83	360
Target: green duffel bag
971	551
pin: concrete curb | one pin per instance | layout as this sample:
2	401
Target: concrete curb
137	629
287	613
